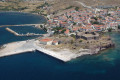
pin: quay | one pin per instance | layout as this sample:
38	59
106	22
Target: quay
32	45
28	34
27	46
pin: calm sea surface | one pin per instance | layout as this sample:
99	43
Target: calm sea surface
38	66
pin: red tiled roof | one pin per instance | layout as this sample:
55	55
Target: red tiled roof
55	41
67	31
46	40
63	22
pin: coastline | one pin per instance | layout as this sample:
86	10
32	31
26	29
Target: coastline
33	14
32	45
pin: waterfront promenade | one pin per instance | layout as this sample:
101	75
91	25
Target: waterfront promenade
32	45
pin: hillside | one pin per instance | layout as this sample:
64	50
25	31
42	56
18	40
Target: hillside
55	5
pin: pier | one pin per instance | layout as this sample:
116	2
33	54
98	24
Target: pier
36	25
28	46
28	34
33	45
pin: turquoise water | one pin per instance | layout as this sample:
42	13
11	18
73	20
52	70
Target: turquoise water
38	66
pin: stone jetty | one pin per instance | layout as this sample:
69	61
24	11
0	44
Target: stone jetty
28	34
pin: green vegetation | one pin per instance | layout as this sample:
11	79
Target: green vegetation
43	5
110	30
56	29
79	15
80	41
63	30
45	29
69	16
96	22
76	8
72	41
69	7
39	7
109	14
118	26
94	18
74	23
41	26
74	36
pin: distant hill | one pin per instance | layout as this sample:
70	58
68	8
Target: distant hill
60	5
92	2
71	2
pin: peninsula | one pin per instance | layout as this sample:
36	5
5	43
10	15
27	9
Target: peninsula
71	33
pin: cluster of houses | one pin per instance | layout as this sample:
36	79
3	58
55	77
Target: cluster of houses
83	23
85	20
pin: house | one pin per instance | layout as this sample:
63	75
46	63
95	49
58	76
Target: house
67	32
46	41
55	42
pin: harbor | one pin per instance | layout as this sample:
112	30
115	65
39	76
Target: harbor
32	45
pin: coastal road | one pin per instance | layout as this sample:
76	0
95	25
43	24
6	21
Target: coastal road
84	5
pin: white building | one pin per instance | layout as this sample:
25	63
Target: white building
46	41
55	42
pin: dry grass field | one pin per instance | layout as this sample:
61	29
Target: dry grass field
57	5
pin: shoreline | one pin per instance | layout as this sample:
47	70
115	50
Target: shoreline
35	14
20	47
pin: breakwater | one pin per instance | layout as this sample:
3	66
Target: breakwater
28	34
36	25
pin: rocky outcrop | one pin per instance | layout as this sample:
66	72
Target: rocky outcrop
103	47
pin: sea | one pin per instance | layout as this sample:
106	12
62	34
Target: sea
39	66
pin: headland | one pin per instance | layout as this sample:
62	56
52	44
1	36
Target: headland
32	45
72	33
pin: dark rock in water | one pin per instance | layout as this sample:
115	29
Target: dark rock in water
108	45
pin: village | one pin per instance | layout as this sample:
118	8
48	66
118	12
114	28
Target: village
72	33
75	29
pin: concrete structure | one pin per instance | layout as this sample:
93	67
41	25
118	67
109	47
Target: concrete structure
32	45
46	41
28	34
55	42
90	36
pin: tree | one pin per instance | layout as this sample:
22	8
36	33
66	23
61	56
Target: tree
76	8
63	30
72	41
118	26
74	23
72	35
110	30
80	41
41	26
